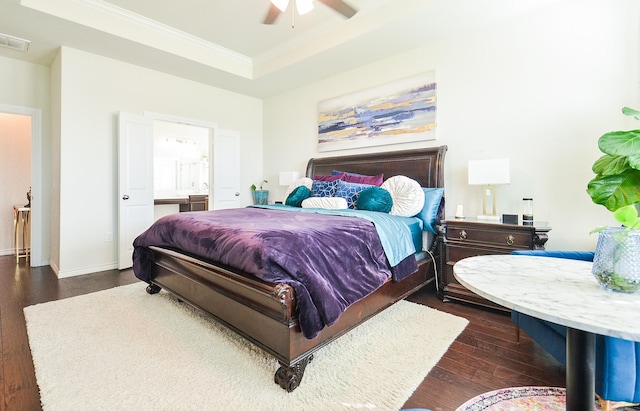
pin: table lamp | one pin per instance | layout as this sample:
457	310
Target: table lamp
489	173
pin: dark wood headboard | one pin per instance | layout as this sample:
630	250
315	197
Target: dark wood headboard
425	165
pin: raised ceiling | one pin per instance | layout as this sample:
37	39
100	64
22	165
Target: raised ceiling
224	44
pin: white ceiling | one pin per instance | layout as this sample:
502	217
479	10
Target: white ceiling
224	44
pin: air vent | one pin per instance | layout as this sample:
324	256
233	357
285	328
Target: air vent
14	43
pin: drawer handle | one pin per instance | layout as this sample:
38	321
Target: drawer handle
463	235
510	239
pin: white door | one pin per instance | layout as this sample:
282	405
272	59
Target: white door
225	169
135	182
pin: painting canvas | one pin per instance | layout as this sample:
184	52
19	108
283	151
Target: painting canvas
399	112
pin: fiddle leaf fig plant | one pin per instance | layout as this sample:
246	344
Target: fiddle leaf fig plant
617	182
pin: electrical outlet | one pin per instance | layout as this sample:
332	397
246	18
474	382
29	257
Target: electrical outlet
108	237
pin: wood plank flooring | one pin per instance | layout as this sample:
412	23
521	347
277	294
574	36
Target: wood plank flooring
483	358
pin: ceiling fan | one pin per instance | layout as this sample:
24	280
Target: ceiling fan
304	6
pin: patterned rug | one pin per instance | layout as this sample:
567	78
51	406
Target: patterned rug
522	398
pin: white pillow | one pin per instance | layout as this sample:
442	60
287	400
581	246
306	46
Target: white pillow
304	181
329	203
407	195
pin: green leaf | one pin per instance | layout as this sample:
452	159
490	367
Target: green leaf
615	191
608	165
634	161
631	112
621	143
626	215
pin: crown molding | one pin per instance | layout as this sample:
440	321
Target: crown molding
114	20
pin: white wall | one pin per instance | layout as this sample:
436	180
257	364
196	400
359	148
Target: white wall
539	89
93	90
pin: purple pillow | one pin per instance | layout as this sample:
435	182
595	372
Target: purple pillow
360	178
334	177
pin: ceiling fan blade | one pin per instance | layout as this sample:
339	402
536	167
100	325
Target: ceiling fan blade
272	14
341	7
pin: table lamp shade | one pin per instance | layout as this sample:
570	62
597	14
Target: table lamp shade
489	172
288	177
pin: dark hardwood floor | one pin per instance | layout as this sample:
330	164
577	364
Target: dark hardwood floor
483	358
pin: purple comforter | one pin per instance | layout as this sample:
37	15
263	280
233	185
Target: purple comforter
331	261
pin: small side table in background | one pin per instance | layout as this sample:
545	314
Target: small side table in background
21	231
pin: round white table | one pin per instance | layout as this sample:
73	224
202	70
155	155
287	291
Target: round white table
562	291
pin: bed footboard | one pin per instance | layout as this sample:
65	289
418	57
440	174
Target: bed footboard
265	313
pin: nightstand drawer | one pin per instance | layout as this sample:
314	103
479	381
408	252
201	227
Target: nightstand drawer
500	238
454	254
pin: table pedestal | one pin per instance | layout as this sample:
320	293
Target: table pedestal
581	360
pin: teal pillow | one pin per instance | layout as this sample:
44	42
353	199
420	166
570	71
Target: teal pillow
297	196
429	212
374	199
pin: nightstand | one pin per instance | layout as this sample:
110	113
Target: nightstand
469	237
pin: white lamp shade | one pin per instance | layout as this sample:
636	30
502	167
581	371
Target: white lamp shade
288	177
489	172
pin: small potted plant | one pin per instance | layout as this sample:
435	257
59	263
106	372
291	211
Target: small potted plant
616	186
260	195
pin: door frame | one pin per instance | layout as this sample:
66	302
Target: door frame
36	216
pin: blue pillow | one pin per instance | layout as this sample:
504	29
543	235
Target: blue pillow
350	191
429	212
375	199
324	188
297	196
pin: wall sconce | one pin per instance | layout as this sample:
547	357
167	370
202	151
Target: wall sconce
288	177
489	173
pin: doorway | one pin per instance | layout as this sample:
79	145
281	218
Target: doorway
20	156
181	165
136	202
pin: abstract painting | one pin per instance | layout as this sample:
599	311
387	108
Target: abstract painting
399	112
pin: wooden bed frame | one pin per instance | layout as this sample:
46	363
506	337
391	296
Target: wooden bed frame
265	313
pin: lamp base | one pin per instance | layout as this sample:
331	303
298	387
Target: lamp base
489	217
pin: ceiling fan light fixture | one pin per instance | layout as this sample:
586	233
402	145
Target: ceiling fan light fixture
304	6
280	4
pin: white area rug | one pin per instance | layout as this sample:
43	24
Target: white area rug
122	349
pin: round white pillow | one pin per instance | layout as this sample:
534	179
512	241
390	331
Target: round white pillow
407	195
304	181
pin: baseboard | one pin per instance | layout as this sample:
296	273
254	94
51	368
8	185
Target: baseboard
86	270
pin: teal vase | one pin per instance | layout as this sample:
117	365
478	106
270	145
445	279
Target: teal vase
260	197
